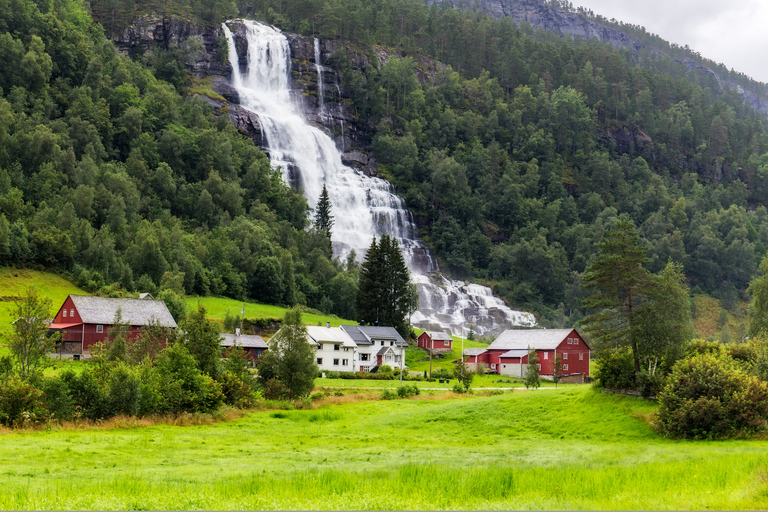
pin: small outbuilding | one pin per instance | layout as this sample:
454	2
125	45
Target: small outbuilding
435	341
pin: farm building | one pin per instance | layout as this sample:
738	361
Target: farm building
85	320
435	341
508	354
252	344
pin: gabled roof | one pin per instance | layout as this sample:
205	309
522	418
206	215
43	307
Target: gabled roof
244	340
384	350
438	335
473	351
515	353
320	334
522	339
102	310
370	333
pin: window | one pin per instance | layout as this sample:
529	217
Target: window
319	360
581	356
447	343
65	313
391	343
71	312
345	362
565	355
335	362
565	367
336	347
346	349
575	341
382	343
546	355
364	357
99	328
538	366
493	365
570	341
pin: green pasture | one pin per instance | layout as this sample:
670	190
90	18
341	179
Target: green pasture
479	381
14	283
571	448
217	308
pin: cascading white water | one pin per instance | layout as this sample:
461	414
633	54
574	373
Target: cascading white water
363	206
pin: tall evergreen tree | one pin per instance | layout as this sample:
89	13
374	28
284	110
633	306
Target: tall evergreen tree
384	293
758	306
618	283
323	217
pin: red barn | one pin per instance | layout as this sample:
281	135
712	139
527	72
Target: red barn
85	320
508	354
435	341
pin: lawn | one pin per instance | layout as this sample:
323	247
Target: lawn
14	283
571	448
217	308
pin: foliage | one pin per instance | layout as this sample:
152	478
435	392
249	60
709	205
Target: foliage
758	306
557	368
385	296
202	340
615	369
323	217
288	368
407	391
532	377
29	341
21	404
710	397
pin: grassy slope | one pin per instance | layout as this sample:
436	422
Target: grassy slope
567	449
14	282
217	309
707	321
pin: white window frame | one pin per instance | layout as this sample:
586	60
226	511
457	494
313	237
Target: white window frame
565	355
538	366
546	355
65	313
575	341
447	343
570	341
581	356
71	313
345	362
565	367
99	329
493	366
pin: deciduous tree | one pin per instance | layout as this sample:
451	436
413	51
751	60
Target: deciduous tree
29	341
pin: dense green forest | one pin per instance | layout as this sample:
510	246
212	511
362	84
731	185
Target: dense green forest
516	156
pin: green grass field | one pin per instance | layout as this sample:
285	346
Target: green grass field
217	308
14	283
572	448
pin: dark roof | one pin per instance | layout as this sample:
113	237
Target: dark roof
523	339
102	310
439	336
244	340
375	332
356	334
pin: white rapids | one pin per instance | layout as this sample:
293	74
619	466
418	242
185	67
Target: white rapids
362	206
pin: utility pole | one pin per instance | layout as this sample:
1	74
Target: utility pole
431	348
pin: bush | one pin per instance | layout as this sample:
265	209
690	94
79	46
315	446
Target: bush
406	391
388	394
123	391
616	370
459	388
442	373
87	394
710	397
385	369
649	385
236	392
21	403
58	400
274	389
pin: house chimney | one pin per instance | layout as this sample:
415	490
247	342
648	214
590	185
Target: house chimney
328	324
237	331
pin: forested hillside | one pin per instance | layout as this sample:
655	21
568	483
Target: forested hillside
515	156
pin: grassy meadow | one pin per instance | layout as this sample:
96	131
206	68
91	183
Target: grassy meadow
572	448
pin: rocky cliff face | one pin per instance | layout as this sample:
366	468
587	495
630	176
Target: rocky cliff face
326	104
572	24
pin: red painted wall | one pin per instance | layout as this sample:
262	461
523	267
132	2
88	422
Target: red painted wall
424	341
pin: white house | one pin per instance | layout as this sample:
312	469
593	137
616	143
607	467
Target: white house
377	346
335	351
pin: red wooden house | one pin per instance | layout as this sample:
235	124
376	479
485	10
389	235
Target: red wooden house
252	344
85	320
508	354
436	341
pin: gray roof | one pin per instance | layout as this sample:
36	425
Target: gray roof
356	334
515	353
329	335
523	339
439	336
373	333
102	310
244	340
473	351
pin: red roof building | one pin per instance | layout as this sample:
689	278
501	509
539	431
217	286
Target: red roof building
86	320
508	354
435	341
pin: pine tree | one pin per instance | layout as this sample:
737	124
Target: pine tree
384	293
618	283
323	217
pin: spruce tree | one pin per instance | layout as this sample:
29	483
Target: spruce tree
618	282
323	217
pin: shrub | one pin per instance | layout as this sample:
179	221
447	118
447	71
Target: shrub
388	394
123	391
459	388
236	392
442	373
87	393
274	389
317	396
710	397
21	403
616	370
406	391
385	369
58	400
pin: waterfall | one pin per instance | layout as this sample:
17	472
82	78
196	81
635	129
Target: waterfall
363	206
319	69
